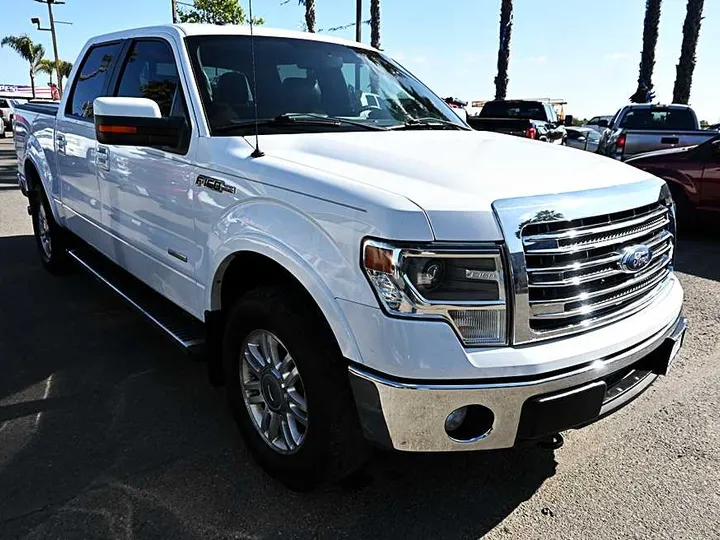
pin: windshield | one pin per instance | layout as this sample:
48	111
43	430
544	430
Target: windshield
303	76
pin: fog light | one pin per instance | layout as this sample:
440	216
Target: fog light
455	419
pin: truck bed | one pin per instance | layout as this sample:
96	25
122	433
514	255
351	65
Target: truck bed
510	126
639	141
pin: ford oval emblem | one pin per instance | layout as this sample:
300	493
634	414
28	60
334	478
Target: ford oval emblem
635	258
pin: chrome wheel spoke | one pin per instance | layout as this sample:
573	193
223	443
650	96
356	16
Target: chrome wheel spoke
253	386
297	414
291	378
296	399
286	365
265	423
274	427
287	435
254	358
255	400
292	422
269	348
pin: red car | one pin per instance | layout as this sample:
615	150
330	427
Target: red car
693	174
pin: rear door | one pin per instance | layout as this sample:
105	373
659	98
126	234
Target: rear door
147	191
75	144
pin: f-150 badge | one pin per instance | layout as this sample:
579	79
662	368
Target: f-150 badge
214	184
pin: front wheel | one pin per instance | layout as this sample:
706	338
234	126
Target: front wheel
288	388
50	238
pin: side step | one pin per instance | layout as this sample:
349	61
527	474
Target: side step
183	328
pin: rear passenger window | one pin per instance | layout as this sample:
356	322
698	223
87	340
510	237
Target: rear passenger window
150	72
90	82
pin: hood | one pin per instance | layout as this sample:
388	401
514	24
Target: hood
452	173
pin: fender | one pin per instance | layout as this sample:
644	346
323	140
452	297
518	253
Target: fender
35	155
328	270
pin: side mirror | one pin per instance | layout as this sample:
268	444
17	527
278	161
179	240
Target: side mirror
568	120
603	123
128	121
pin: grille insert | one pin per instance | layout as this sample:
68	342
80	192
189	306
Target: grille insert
574	275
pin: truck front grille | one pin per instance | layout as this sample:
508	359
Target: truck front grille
574	271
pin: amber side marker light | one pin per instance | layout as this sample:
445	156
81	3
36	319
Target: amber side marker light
117	129
378	259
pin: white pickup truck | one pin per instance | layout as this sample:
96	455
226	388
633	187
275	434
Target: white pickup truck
354	273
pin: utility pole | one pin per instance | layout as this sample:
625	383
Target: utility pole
54	38
358	21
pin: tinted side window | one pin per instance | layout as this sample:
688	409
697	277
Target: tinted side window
90	82
150	72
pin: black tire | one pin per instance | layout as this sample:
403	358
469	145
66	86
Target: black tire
333	444
686	213
53	254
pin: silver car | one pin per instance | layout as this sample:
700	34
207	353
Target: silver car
584	138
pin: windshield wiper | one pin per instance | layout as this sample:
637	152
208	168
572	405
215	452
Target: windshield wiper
294	120
429	122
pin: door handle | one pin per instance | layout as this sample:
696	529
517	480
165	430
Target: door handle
102	159
60	140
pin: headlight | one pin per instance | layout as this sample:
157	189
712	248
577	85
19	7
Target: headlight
463	286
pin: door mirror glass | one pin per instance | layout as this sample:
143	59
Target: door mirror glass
603	123
569	120
135	122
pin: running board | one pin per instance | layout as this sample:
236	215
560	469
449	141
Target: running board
183	328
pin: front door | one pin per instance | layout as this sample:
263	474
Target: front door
147	191
76	147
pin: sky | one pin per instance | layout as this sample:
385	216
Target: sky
584	51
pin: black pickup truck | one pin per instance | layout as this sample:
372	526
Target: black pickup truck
532	119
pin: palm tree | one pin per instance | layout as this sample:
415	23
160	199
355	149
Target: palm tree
309	14
375	23
686	65
65	69
643	94
31	52
47	66
501	80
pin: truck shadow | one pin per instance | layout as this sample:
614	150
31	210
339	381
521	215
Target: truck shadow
107	430
8	175
698	253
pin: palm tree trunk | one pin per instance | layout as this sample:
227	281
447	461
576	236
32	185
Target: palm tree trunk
32	82
358	21
310	15
647	58
375	23
501	80
686	65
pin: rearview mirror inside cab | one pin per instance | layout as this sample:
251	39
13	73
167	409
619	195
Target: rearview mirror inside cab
129	121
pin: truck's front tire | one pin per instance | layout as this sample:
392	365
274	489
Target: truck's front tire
51	239
289	391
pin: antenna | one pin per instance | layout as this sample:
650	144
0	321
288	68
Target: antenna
257	152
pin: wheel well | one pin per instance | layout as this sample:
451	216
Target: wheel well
32	176
245	271
248	270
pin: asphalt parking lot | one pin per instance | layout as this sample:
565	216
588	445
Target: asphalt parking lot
108	431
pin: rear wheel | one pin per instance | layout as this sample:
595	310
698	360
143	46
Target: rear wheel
288	388
51	239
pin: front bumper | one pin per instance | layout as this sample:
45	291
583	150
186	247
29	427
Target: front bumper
411	416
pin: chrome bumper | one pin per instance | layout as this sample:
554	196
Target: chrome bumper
411	416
